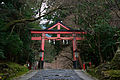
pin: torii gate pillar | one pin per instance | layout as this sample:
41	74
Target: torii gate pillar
41	62
74	54
74	48
43	45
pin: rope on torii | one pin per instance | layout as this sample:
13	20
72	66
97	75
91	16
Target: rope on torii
58	31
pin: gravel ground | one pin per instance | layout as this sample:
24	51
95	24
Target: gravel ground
59	74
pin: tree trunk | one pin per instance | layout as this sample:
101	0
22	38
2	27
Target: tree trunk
99	49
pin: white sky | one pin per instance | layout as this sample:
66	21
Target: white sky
43	11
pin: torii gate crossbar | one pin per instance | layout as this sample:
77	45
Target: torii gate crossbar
59	31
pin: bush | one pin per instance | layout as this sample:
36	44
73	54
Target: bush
112	74
10	70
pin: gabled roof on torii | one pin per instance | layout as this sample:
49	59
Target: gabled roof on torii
59	24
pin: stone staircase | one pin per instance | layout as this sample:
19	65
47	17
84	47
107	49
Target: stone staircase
61	61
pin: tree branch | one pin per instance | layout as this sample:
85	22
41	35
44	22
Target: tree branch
117	4
67	57
29	20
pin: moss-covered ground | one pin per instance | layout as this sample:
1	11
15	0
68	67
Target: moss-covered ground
105	75
9	70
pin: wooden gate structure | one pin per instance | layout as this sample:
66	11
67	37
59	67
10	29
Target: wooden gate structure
60	29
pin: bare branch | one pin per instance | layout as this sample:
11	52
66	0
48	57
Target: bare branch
29	20
40	5
117	4
67	57
117	14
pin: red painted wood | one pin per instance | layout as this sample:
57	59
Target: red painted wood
84	66
74	38
90	64
42	45
52	26
36	38
57	38
58	27
62	38
58	35
58	32
79	38
64	26
74	47
58	24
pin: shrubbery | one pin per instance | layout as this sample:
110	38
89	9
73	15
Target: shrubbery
10	70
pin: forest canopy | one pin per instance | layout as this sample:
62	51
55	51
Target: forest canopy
100	18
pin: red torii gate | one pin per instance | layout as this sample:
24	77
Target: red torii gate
59	31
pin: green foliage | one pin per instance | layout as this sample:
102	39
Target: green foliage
15	42
105	75
92	72
50	52
113	74
10	70
2	56
116	60
3	43
94	17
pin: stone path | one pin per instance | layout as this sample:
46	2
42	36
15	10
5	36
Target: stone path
52	74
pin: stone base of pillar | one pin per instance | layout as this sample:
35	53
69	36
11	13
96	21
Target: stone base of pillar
40	64
75	64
